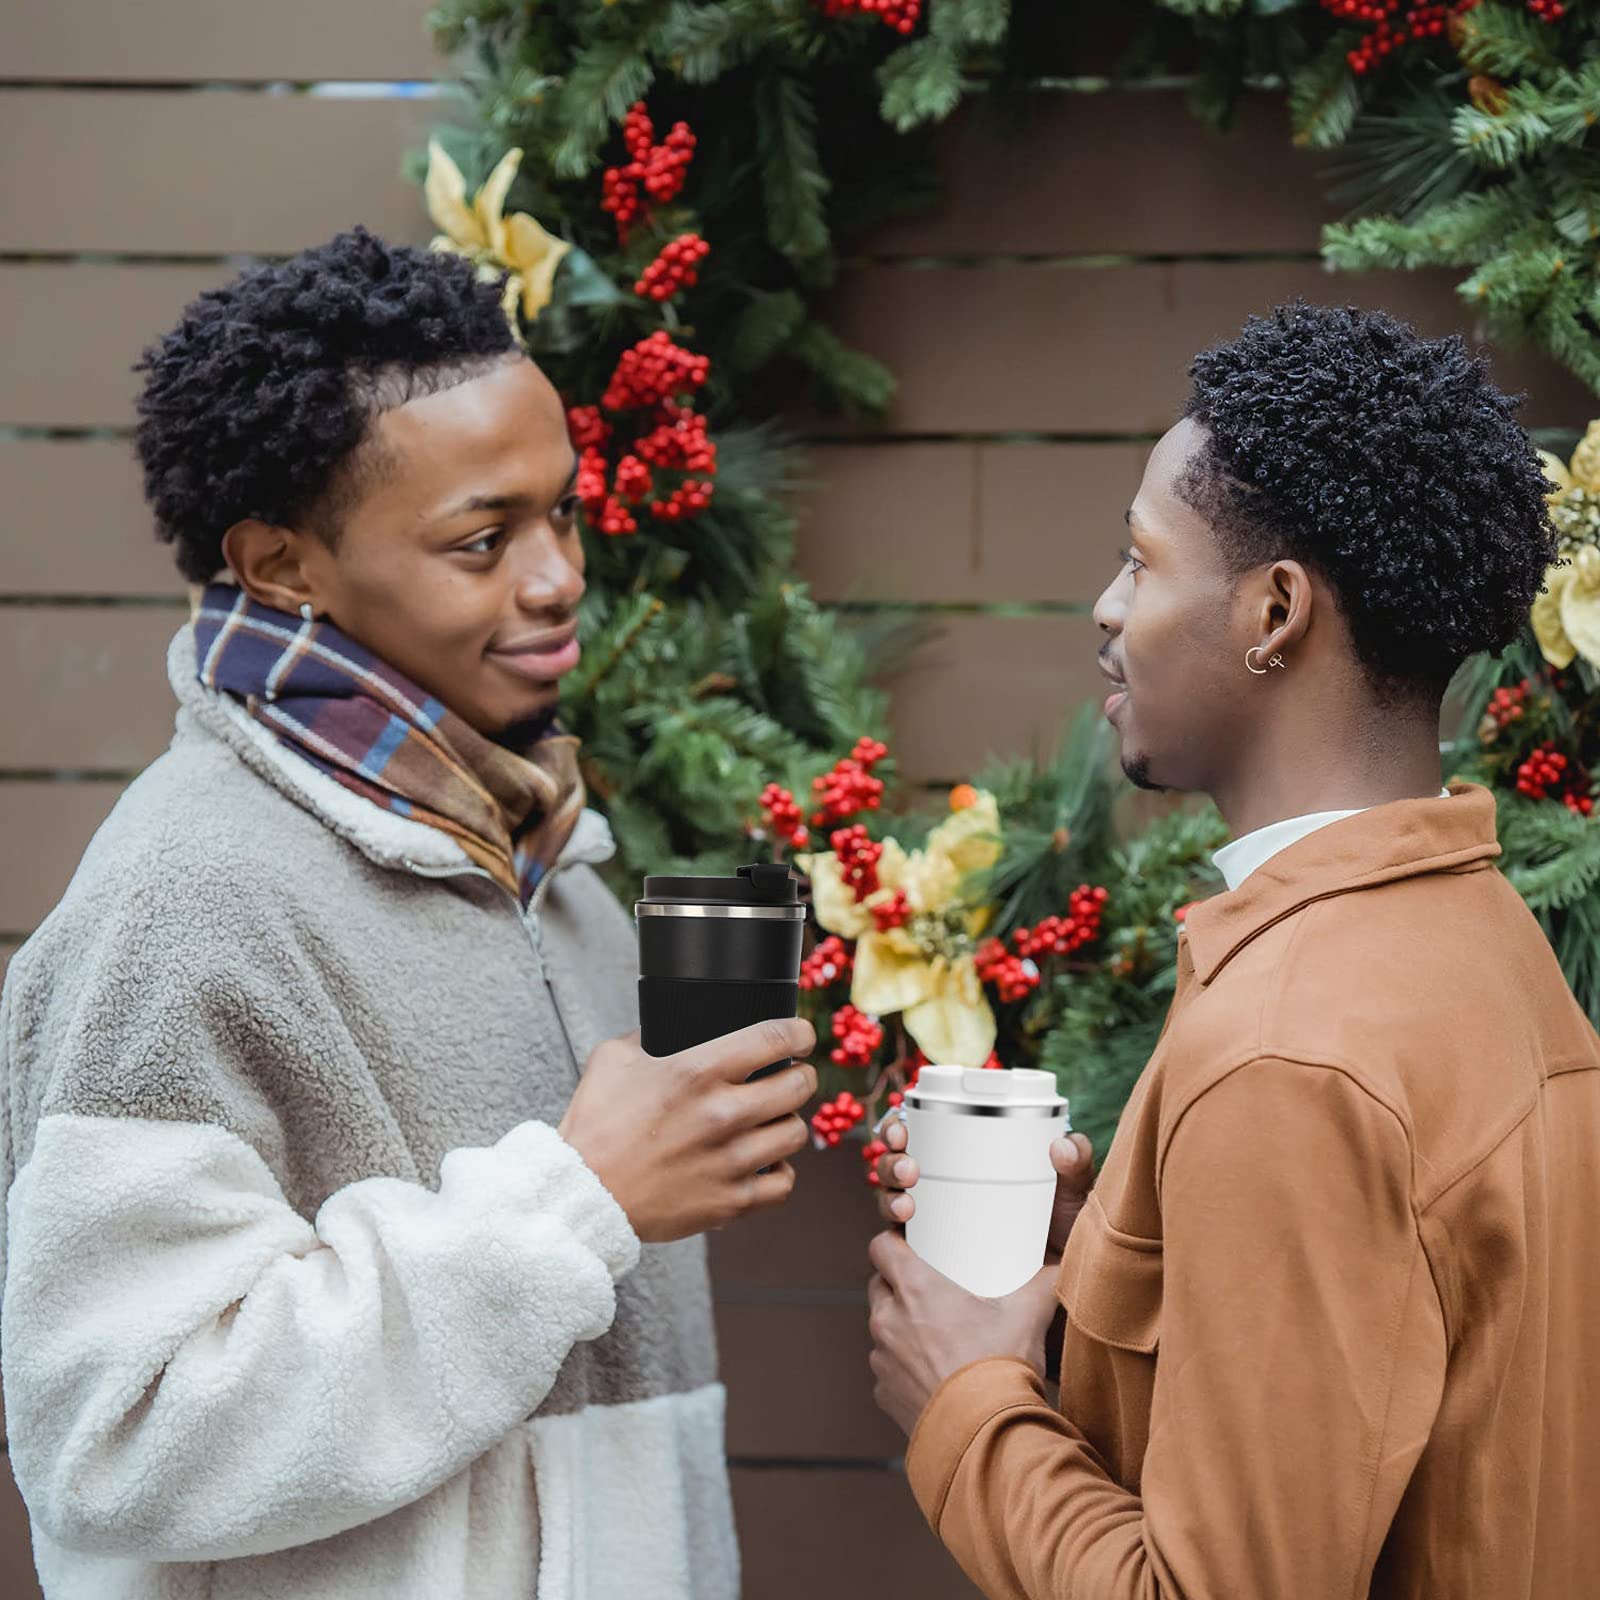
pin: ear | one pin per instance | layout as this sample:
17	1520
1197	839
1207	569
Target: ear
1286	607
274	565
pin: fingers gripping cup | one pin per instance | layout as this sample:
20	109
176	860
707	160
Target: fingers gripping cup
717	954
982	1140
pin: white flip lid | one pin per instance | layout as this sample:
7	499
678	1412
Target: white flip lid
981	1091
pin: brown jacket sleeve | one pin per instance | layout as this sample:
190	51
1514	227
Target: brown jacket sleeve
1300	1362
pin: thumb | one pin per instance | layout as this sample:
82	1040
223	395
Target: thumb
1073	1159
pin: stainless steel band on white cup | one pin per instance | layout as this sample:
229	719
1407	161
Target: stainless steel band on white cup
795	913
955	1109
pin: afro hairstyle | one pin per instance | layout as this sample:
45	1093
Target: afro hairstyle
1387	462
258	402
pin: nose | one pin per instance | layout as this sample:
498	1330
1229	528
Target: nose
548	578
1112	606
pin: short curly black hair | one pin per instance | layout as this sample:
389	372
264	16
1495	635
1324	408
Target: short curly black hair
258	402
1388	462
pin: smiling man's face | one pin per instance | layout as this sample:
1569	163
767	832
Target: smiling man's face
1173	648
457	557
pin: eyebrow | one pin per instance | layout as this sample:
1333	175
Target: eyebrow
504	502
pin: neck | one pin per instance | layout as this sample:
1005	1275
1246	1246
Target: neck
1272	784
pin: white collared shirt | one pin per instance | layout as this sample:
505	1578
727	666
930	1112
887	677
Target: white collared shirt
1237	859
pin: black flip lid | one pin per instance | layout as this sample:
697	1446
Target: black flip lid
765	883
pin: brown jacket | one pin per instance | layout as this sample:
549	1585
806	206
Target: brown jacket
1332	1326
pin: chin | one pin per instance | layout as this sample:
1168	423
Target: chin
1136	769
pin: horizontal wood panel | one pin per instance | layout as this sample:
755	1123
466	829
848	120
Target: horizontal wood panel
798	1382
817	1241
1019	348
77	521
932	522
97	696
1129	173
44	829
848	1535
160	40
197	174
1012	348
990	686
965	521
73	333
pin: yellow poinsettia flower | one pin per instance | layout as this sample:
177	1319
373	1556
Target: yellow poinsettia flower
482	232
938	994
1566	617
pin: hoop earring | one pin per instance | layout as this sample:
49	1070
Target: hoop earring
1272	661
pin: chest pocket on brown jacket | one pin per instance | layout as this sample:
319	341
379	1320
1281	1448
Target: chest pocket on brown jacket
1110	1285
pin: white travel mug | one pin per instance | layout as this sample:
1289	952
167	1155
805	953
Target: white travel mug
981	1139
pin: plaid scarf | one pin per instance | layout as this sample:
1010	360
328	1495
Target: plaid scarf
371	729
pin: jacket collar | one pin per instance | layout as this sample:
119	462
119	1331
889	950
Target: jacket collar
382	836
1404	839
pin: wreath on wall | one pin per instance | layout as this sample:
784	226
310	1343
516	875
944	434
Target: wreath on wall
668	188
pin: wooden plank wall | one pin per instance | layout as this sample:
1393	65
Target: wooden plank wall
1040	324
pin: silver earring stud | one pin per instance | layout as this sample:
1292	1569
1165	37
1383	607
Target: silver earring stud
306	613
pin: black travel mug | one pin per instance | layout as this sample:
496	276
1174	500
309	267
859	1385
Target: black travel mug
716	954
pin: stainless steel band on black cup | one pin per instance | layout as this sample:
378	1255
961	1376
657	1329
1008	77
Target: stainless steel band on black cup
796	913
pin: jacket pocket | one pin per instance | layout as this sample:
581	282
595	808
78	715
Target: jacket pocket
1110	1283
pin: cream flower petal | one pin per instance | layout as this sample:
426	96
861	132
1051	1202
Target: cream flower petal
888	979
970	838
445	191
1555	470
490	203
1545	615
832	898
537	255
1580	611
956	1027
892	865
1586	459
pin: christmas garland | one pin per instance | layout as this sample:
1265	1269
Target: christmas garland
667	203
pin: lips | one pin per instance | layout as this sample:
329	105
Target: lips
543	657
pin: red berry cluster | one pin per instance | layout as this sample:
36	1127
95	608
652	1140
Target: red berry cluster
858	858
650	376
1509	705
677	267
657	168
892	913
1016	977
784	816
901	15
829	963
859	1037
1060	936
850	786
653	372
994	1063
680	442
1395	23
833	1119
872	1152
1550	774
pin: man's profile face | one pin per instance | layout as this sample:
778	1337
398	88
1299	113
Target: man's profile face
459	560
1170	649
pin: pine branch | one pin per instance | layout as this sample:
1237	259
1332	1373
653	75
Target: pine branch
793	182
1324	96
696	40
1504	41
979	22
767	324
607	78
921	82
1499	139
858	383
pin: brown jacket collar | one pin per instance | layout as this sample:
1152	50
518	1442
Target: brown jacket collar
1403	839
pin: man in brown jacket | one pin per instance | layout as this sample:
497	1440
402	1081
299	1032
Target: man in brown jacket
1330	1326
